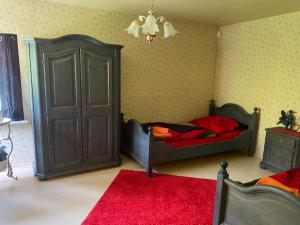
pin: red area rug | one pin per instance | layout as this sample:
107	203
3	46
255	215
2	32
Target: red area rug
134	199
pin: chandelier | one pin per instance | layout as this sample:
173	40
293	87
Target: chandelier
150	27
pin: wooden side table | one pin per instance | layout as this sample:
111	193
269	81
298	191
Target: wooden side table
282	149
6	122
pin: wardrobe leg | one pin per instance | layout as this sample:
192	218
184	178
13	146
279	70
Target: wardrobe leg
42	178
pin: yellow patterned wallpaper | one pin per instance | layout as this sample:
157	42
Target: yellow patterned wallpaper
258	64
170	80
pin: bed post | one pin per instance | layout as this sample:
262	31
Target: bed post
254	127
212	106
221	195
148	165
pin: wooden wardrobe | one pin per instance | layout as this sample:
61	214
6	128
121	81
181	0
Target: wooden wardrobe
75	90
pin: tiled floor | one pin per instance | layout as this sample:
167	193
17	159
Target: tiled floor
67	200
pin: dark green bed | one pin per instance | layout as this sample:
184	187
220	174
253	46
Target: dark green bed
249	204
148	151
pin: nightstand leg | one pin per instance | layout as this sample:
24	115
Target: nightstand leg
262	165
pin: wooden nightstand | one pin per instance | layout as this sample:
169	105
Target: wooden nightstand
282	149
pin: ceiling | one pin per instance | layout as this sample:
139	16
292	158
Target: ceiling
216	12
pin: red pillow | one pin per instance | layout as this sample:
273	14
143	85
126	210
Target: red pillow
216	124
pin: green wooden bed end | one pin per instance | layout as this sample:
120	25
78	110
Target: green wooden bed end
145	149
249	204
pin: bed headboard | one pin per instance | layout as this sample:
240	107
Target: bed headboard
240	114
235	111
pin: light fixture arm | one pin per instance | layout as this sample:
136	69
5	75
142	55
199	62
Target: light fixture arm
161	19
141	18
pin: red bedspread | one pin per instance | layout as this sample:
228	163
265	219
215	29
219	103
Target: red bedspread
288	180
225	136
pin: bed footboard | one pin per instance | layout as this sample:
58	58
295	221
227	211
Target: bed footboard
137	143
249	204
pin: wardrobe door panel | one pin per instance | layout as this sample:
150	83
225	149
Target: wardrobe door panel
63	103
63	82
97	81
96	73
98	138
65	152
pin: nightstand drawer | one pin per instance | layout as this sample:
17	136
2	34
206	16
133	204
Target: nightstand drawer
279	157
281	141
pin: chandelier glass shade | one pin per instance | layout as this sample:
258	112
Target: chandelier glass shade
149	26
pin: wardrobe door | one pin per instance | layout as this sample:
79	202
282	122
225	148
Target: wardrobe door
96	71
63	107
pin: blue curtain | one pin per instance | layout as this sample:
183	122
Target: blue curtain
10	81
